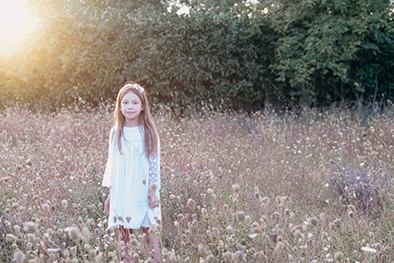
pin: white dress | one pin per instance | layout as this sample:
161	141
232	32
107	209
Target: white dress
129	174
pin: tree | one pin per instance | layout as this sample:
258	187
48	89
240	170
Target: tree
323	46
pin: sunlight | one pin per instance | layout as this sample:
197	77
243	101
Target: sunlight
16	25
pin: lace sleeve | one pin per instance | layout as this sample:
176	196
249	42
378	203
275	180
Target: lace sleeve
154	169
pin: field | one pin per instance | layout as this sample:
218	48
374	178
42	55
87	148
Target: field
235	188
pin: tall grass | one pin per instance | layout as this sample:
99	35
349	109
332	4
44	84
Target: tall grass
235	188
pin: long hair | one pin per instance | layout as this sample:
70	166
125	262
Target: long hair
151	138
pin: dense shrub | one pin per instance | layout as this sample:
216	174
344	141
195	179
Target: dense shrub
238	55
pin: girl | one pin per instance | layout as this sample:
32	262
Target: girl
133	172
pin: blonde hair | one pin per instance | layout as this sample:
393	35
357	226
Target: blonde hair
151	138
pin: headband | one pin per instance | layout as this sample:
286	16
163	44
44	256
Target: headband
135	87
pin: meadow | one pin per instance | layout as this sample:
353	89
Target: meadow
315	187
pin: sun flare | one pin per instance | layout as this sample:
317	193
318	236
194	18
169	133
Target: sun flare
17	23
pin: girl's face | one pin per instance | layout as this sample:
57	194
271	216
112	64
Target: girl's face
131	107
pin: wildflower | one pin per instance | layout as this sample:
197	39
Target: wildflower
274	236
265	200
253	236
228	256
86	233
297	233
31	227
313	221
29	162
236	188
134	242
211	258
191	204
248	219
215	232
338	256
73	233
64	204
279	249
10	238
256	228
73	251
240	215
31	238
201	249
278	201
239	255
19	256
203	211
45	207
337	222
369	250
287	212
276	215
17	229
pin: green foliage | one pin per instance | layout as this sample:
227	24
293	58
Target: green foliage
332	50
205	57
223	53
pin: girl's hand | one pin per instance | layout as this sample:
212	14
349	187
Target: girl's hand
153	200
106	206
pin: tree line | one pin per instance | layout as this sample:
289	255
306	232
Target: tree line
241	55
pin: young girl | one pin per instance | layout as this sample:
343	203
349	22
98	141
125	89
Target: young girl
133	172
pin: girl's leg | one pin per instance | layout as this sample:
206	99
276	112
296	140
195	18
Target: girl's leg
124	246
153	242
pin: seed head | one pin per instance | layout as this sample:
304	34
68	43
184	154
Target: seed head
31	238
10	238
260	257
31	227
236	188
338	256
215	232
73	233
313	221
201	249
19	256
279	249
239	255
191	204
265	200
337	222
17	229
240	215
45	207
274	236
64	203
256	228
248	219
369	250
29	162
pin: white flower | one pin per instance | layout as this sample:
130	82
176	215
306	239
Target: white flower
369	250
